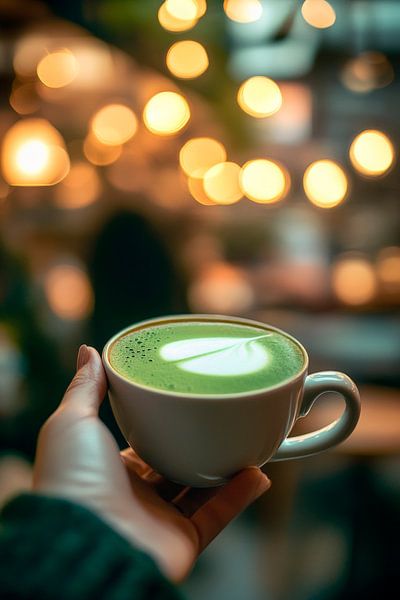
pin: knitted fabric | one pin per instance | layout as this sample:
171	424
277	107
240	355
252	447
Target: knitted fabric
54	549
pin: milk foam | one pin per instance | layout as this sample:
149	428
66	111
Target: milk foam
223	356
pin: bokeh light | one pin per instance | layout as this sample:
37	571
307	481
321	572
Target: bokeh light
114	124
221	183
388	266
372	153
200	154
58	69
171	23
80	188
197	191
259	96
325	183
264	181
166	113
68	292
221	288
33	153
23	98
354	280
100	154
366	72
132	172
186	9
243	11
187	59
318	13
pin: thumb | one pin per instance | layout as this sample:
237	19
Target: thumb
88	387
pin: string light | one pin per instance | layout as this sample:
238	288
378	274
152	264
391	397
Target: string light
354	280
186	9
318	13
366	72
388	266
221	183
58	69
166	113
372	153
187	59
114	124
100	154
200	154
33	153
259	97
220	288
68	292
197	191
243	11
171	23
23	98
325	183
264	181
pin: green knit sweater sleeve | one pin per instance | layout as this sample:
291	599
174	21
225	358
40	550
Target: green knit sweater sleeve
54	549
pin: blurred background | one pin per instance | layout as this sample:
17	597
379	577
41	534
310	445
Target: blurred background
236	157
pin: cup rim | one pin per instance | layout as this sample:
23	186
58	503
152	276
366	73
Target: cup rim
203	317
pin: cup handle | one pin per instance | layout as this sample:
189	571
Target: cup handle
322	439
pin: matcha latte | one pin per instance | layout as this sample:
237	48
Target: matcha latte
206	357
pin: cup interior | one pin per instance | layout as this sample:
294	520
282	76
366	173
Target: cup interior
199	318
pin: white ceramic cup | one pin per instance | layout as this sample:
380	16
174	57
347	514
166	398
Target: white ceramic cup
202	440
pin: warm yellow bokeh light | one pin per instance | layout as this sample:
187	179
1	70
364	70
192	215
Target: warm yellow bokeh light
58	69
354	280
243	11
171	23
200	154
259	96
325	183
33	153
114	124
221	183
264	181
220	288
100	154
186	9
318	13
80	188
372	153
166	113
32	157
68	292
197	191
187	59
23	98
388	266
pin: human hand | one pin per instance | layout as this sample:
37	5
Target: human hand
78	459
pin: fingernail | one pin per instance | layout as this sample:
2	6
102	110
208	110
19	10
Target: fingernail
83	357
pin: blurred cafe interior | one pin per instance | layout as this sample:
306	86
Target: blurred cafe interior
237	157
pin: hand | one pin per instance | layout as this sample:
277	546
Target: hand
78	459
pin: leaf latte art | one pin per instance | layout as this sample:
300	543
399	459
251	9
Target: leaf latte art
217	356
206	357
